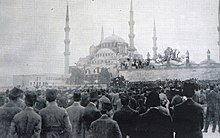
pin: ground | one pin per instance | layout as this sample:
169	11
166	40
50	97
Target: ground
211	135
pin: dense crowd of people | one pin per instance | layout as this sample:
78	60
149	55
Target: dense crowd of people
159	109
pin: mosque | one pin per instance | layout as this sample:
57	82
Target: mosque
106	54
113	50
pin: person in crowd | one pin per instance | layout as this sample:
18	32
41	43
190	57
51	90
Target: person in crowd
133	102
75	112
27	123
117	103
55	120
163	98
101	100
85	99
155	123
188	116
176	100
20	101
7	113
62	100
141	108
127	118
218	108
91	113
2	99
162	108
6	96
105	127
40	102
212	112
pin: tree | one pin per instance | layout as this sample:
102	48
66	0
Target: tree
77	76
104	76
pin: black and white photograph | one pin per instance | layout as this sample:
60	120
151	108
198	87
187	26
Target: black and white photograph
109	68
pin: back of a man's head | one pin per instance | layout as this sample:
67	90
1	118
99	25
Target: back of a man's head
77	96
30	98
212	86
51	95
125	99
15	93
153	99
189	89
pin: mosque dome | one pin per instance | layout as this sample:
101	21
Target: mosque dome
113	38
105	53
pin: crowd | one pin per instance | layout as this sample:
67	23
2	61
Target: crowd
161	109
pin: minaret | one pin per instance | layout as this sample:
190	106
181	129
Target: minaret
219	28
154	42
102	34
131	36
148	55
67	42
208	55
187	58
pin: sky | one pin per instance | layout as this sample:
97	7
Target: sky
32	31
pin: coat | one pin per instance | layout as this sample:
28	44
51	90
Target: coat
75	112
91	114
188	120
127	120
7	113
155	124
26	124
55	122
105	127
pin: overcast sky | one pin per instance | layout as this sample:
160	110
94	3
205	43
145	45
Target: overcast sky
32	35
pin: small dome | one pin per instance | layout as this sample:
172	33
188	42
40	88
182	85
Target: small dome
113	38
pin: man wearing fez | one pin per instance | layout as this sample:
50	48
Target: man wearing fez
91	113
55	120
188	116
126	118
105	127
75	112
7	112
27	123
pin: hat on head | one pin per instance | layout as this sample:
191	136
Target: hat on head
15	93
106	106
189	88
93	96
77	96
51	95
30	98
104	99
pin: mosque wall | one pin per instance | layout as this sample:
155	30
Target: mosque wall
202	73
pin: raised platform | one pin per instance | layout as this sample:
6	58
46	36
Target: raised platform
201	73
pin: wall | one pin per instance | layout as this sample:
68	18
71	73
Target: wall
205	73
